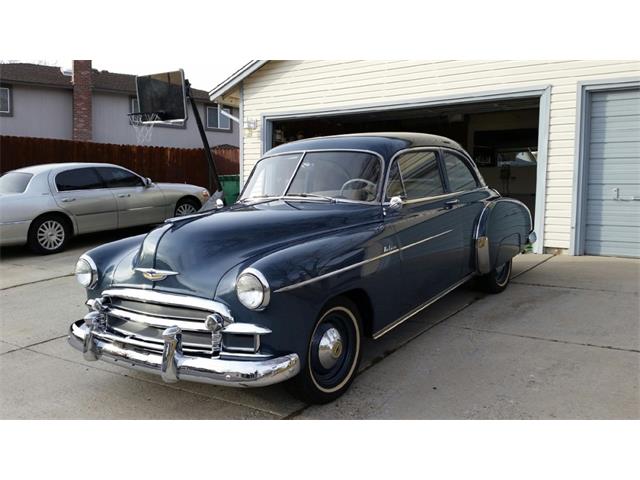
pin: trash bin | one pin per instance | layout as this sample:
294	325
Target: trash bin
231	187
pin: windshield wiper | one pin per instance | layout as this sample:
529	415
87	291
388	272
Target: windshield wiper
311	195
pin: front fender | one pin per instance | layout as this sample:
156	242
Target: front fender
502	231
304	276
107	257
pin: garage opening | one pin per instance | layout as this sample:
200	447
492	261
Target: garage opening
500	135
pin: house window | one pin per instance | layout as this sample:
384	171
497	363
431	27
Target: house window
216	120
5	100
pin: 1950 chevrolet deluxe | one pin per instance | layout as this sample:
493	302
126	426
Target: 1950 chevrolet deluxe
332	239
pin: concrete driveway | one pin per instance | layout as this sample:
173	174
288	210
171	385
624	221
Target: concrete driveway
563	341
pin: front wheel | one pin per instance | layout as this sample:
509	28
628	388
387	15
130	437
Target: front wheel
186	206
497	279
48	234
333	354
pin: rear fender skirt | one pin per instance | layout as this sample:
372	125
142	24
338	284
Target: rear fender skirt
502	231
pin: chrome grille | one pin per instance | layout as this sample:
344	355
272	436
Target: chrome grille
142	315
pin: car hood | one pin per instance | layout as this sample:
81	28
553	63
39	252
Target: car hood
203	247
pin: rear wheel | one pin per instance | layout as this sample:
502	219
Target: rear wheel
48	234
333	354
186	206
497	279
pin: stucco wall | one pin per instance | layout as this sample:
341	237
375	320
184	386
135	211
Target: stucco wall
111	125
39	112
299	86
48	113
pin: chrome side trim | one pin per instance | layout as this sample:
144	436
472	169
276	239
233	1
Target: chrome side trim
15	223
358	264
160	298
425	240
417	310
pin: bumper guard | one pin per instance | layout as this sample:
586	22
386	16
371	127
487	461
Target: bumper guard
96	343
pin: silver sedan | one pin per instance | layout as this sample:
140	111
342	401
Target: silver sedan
44	205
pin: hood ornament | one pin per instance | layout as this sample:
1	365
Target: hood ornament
155	275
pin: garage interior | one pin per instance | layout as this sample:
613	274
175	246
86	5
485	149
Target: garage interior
500	135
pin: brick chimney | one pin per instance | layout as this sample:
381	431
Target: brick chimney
82	100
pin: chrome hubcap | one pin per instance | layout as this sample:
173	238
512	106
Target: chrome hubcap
330	348
185	209
50	235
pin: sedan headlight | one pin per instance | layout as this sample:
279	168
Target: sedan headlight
86	272
252	289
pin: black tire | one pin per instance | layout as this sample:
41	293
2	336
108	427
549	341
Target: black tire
497	279
49	234
186	206
327	372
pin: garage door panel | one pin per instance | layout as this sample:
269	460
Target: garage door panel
611	212
616	249
605	109
612	223
619	96
615	149
613	233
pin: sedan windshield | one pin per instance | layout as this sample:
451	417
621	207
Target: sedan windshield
331	176
14	182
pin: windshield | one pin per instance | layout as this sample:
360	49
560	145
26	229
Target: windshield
14	182
339	175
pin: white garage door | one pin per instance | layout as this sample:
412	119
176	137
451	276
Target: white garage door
613	196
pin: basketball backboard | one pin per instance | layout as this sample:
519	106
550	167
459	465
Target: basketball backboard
162	97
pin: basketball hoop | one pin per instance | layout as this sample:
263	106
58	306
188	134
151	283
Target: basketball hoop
143	124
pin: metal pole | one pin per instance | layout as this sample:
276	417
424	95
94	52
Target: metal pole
214	181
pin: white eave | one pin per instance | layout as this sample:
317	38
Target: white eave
227	86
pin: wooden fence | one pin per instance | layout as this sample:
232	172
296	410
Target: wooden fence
161	164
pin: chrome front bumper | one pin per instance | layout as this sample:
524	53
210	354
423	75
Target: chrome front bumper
172	365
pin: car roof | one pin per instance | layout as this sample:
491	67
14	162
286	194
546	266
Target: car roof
47	167
384	143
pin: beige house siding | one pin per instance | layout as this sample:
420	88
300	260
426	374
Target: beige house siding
299	86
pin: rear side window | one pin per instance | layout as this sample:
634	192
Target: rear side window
460	176
415	175
14	182
78	179
118	177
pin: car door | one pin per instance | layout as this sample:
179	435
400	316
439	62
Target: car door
428	237
83	194
466	195
138	203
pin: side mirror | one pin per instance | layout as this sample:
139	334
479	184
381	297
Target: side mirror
395	203
147	182
219	203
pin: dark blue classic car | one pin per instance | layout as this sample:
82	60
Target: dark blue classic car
332	239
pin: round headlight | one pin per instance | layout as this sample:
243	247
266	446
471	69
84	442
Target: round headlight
86	272
252	289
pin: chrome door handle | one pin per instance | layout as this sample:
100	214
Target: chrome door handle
68	199
451	203
124	195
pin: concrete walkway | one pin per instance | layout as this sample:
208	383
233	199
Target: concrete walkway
563	341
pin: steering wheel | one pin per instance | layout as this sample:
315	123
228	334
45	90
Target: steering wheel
353	180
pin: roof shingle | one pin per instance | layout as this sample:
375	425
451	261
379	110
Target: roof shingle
45	75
